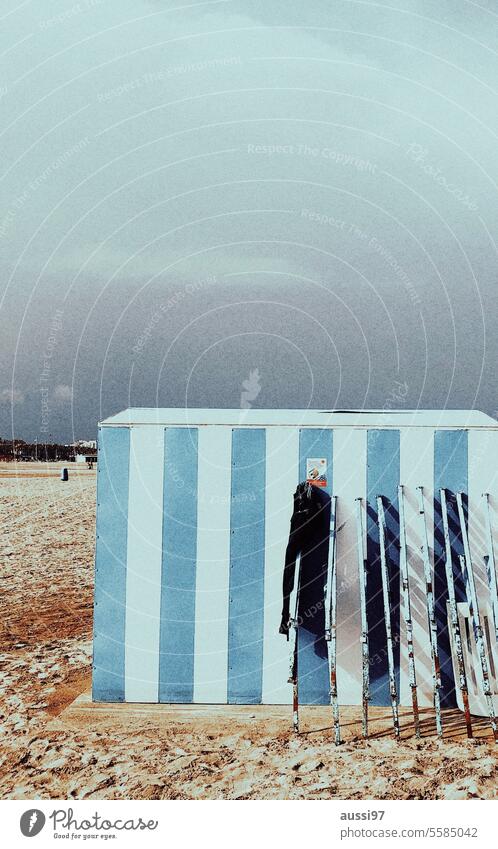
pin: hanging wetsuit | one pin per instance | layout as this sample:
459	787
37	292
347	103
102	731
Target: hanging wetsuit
309	537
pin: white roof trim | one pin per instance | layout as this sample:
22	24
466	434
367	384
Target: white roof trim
193	417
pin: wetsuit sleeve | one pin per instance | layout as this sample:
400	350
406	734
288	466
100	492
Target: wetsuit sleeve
291	553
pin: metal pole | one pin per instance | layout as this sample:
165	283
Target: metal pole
331	617
431	615
491	563
470	590
455	626
387	613
330	570
362	572
412	677
293	650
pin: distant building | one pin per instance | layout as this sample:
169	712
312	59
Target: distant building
86	458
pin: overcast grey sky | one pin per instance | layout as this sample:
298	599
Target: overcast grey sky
191	192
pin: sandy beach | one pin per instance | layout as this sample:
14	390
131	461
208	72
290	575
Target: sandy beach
56	744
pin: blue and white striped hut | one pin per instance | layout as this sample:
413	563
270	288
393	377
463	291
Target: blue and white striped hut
192	526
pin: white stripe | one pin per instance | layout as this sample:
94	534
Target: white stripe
144	558
417	469
213	565
349	481
483	477
282	477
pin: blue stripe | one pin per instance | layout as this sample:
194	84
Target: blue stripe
247	562
176	641
110	565
313	658
450	473
383	448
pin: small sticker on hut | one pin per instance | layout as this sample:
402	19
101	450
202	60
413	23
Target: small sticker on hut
316	471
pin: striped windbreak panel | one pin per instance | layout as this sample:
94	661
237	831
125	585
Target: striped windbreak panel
192	527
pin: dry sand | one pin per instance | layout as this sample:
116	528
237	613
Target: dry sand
54	748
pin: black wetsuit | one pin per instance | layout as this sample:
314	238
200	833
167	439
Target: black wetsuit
309	537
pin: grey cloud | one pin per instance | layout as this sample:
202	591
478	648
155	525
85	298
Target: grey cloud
191	195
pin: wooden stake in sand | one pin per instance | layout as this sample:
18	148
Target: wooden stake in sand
294	646
490	562
455	626
331	618
431	614
387	613
470	590
362	574
407	613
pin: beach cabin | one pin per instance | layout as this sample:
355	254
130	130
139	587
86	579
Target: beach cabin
192	526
